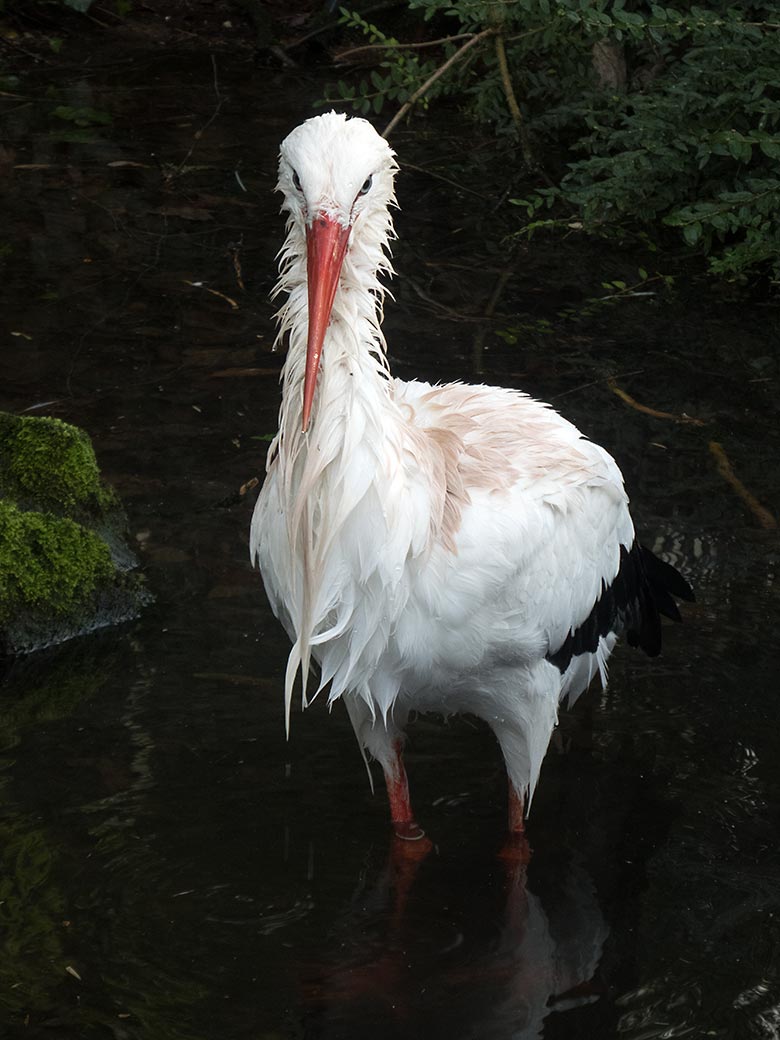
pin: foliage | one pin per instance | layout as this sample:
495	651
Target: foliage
32	908
402	72
84	122
650	116
82	116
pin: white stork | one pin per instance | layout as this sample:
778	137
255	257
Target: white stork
445	548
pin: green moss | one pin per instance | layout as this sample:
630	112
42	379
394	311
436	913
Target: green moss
43	692
64	558
32	908
50	465
47	564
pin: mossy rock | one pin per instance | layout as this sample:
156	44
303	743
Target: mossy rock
65	566
47	562
50	465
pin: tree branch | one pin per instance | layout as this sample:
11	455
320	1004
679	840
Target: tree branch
395	45
421	91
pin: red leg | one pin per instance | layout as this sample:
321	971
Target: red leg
516	850
516	812
410	846
404	823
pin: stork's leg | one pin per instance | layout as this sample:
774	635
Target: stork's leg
516	851
410	845
404	824
384	742
523	732
516	812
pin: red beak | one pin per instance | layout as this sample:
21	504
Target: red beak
326	244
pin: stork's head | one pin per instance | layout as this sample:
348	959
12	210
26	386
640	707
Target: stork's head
336	175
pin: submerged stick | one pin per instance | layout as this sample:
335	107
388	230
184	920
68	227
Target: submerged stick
633	403
764	517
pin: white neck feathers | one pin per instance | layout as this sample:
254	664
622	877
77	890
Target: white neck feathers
331	476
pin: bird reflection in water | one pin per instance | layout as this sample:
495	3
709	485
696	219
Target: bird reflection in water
429	949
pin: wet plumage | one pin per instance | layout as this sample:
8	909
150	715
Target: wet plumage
445	548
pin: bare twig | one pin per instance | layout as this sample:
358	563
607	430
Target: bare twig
421	91
441	177
593	382
214	292
234	252
396	46
23	50
506	81
651	411
447	312
764	517
512	105
216	80
199	133
479	340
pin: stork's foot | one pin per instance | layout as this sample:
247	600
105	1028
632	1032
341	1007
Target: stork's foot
410	841
408	830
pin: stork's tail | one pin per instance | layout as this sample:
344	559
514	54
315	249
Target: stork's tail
659	582
642	590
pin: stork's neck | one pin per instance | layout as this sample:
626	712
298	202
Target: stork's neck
353	386
329	475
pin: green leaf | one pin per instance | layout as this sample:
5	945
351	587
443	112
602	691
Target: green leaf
738	147
82	116
508	335
692	233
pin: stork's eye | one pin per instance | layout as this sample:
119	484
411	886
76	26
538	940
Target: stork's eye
296	181
366	187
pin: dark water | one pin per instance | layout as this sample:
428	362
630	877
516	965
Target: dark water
170	867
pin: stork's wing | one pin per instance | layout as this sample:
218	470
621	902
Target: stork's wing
545	535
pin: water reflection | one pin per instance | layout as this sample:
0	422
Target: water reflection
443	964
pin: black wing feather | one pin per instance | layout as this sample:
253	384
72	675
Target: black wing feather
632	604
